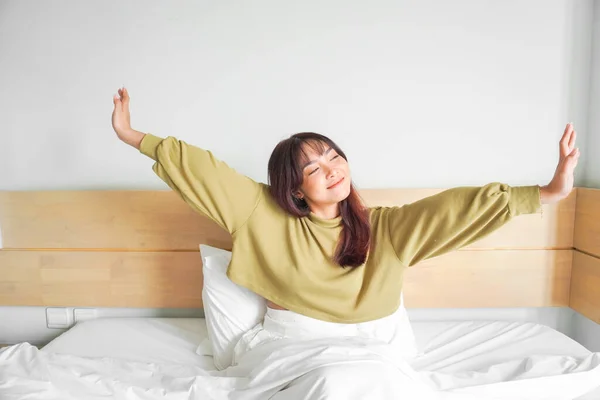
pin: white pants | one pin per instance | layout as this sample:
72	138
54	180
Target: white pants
394	329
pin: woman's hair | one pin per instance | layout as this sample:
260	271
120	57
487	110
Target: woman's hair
285	178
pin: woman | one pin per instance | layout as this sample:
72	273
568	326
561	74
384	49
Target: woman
308	245
306	242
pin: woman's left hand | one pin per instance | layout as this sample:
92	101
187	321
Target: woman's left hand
562	182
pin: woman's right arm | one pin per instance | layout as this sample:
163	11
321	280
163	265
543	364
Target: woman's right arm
206	183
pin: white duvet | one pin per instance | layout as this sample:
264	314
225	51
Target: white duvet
326	368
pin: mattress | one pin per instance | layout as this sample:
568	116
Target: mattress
159	355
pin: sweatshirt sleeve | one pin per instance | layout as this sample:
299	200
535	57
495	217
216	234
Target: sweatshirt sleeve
456	218
207	184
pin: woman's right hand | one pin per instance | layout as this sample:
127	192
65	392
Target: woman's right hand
121	120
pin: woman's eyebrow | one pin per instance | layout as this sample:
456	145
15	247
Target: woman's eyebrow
314	161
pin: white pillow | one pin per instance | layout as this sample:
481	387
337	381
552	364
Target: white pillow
230	310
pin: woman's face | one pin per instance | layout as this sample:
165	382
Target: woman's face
326	180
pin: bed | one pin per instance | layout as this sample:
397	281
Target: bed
104	243
151	353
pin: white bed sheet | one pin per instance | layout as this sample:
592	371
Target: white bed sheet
447	346
464	350
452	346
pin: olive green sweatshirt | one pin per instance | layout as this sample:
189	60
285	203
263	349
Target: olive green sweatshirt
288	260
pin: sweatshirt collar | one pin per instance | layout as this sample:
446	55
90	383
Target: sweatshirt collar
327	223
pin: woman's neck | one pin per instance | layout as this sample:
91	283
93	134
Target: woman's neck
326	212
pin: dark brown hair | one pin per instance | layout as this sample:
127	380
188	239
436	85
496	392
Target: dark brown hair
285	178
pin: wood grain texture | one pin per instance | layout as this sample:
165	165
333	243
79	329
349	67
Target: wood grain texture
160	220
585	286
101	279
587	221
140	249
115	220
487	278
492	278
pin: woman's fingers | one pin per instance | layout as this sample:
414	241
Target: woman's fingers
572	140
118	103
570	161
564	141
125	96
121	100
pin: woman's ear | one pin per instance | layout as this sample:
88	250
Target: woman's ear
299	195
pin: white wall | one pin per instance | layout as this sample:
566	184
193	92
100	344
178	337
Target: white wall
418	93
592	166
585	331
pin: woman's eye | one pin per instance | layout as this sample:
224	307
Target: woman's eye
335	157
313	171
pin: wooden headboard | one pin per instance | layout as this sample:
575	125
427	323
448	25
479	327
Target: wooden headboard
140	249
585	275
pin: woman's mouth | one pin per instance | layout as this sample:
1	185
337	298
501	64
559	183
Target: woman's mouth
336	184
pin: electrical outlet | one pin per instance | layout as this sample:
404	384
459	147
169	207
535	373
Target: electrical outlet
58	318
83	314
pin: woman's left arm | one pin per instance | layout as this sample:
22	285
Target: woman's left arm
458	217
